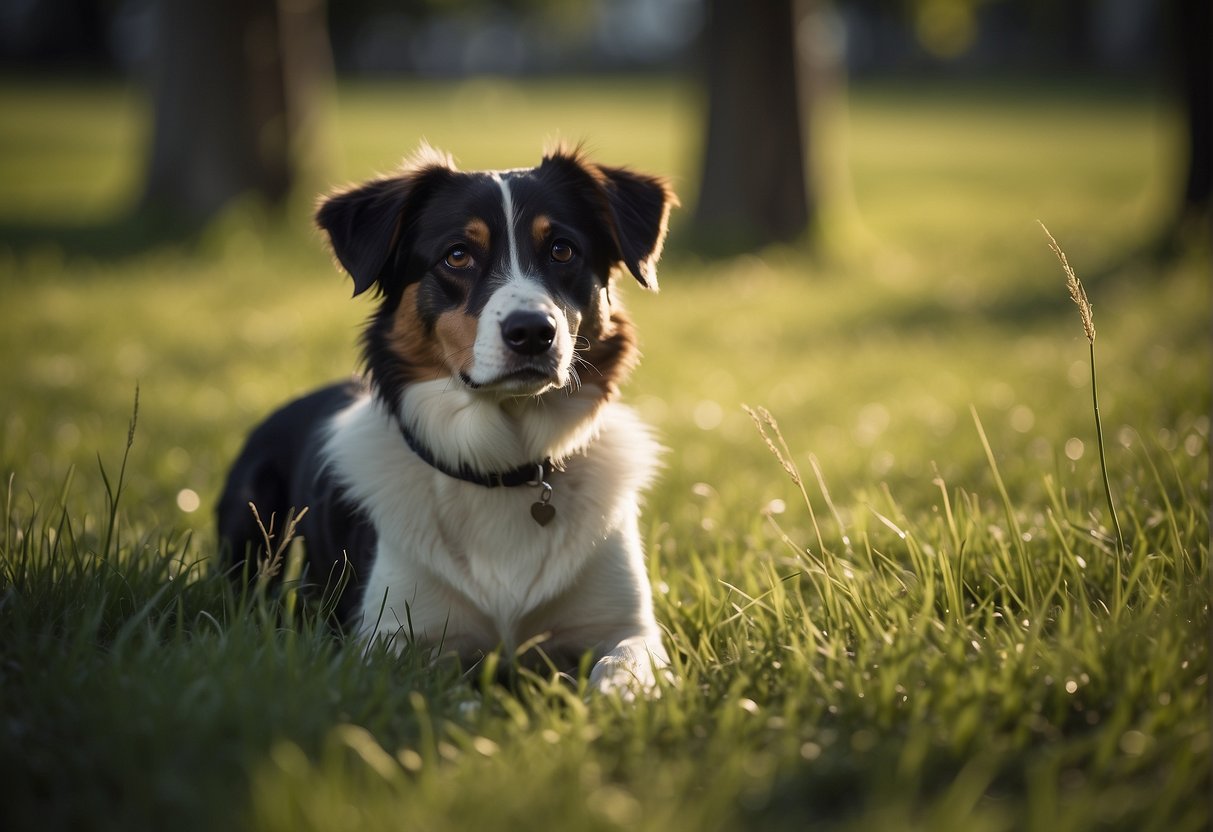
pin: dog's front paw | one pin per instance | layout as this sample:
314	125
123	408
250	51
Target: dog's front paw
631	670
611	675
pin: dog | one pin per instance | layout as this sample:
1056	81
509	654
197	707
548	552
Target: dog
481	483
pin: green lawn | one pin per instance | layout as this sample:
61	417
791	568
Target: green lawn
908	650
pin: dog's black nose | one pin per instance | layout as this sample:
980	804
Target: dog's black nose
529	333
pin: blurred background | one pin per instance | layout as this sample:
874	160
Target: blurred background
857	246
239	94
857	250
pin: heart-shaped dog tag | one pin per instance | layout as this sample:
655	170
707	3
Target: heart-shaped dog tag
543	512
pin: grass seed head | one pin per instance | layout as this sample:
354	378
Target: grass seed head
1077	293
768	428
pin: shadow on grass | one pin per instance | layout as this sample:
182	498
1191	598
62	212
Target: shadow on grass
125	235
1152	261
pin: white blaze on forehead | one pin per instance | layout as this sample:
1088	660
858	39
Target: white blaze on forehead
519	292
507	208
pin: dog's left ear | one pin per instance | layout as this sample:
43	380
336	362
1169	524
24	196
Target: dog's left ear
634	207
640	210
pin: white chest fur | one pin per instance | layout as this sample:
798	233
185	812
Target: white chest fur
468	565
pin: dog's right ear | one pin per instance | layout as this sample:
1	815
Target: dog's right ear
367	223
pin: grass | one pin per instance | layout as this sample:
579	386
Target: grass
921	630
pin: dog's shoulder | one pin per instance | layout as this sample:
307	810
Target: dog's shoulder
625	454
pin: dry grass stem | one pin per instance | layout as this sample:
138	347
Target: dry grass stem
1077	293
271	563
768	428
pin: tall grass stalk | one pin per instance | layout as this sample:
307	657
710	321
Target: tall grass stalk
113	493
1008	507
1079	295
768	428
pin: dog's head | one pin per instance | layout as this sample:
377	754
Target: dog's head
498	280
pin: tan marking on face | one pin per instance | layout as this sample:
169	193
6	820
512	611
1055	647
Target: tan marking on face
541	226
477	233
409	342
455	336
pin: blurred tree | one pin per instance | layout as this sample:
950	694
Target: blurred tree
234	86
754	188
1193	25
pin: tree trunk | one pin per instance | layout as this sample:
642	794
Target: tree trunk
754	188
233	85
1195	30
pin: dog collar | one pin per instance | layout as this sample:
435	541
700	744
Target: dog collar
536	475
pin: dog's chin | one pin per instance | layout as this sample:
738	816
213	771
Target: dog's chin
525	381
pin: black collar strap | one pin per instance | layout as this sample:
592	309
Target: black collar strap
534	474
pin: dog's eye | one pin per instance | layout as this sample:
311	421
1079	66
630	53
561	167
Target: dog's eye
562	251
458	258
